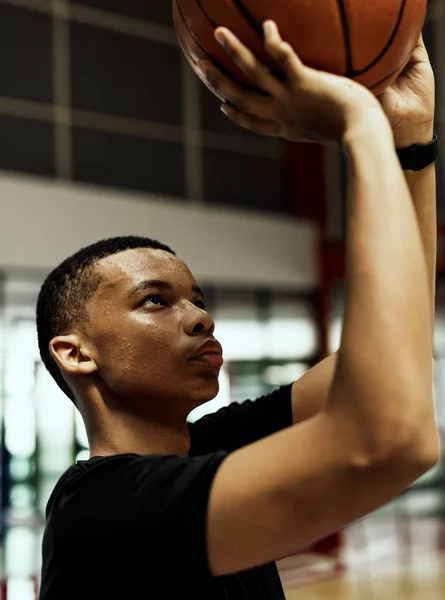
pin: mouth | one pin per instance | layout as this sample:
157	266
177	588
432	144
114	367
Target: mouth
210	359
209	354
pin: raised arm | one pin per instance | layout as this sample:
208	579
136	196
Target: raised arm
310	393
377	431
409	105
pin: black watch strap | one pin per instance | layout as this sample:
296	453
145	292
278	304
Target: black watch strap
419	156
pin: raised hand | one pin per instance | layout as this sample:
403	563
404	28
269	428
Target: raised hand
409	102
301	105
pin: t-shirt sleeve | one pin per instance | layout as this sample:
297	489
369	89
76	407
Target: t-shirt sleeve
240	424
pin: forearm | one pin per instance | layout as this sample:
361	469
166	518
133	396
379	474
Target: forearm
383	377
423	190
311	391
422	186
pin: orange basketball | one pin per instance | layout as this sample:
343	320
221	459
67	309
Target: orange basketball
367	40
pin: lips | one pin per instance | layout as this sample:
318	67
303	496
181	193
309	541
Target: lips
209	353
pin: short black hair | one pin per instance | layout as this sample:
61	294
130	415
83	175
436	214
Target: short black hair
64	294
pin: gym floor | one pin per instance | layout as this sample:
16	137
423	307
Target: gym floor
398	553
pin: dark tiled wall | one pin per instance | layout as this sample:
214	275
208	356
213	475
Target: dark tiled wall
123	106
158	11
25	61
130	162
27	145
125	76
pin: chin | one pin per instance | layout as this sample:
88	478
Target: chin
204	394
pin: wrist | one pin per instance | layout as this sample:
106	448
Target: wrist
410	136
367	125
361	112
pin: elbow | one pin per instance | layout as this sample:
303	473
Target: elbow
404	457
421	444
424	453
413	457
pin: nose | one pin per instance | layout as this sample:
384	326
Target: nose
198	321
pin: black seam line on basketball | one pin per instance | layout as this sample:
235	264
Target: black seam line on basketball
399	68
249	17
244	13
251	21
192	33
374	85
211	58
388	45
347	38
206	14
215	25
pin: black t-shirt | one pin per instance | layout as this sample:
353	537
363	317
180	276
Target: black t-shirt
130	527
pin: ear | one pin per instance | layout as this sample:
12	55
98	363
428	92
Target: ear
72	355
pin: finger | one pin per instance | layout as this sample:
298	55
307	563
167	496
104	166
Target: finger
258	73
260	126
419	54
227	90
282	52
421	42
201	68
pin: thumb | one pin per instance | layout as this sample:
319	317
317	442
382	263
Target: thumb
419	54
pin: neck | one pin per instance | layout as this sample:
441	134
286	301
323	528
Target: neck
111	433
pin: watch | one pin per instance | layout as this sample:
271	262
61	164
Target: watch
419	156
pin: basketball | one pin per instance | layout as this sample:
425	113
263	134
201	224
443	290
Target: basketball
370	41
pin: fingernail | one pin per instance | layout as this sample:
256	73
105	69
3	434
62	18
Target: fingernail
268	27
224	110
219	35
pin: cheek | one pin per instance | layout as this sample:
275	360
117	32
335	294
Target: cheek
140	350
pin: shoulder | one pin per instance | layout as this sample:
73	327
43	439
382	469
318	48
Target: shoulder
128	480
242	423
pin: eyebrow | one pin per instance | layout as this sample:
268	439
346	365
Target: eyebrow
148	284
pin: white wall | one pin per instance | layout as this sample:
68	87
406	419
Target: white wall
42	222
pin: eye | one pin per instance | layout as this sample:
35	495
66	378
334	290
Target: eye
201	304
155	300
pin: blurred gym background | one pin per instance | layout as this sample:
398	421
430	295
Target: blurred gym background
105	130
